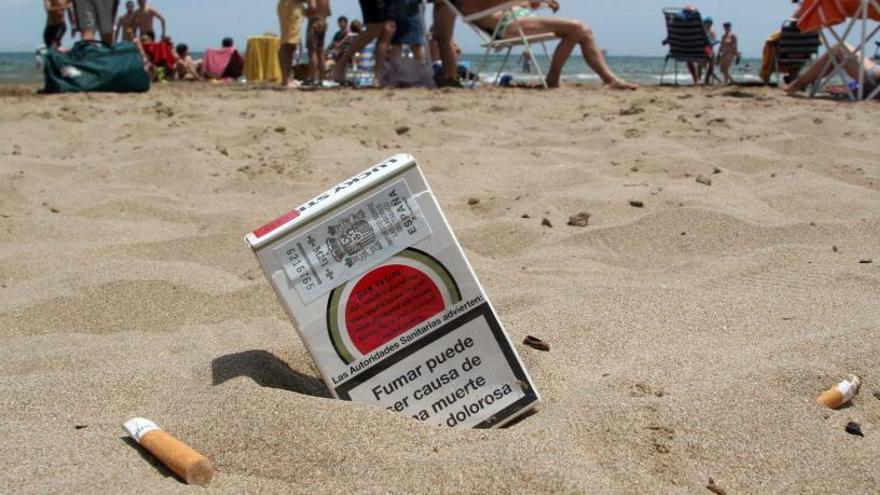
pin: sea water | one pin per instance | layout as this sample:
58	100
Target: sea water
21	68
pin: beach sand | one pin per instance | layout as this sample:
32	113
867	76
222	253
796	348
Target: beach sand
689	337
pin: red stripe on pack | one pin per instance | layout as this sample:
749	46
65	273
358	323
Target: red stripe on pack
274	224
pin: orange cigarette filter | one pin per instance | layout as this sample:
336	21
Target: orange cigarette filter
841	393
183	460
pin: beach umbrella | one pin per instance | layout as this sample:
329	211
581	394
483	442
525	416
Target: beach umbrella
813	15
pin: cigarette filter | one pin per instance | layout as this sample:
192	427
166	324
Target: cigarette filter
189	465
841	393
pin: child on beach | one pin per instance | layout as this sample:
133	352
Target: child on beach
290	16
56	26
317	13
379	17
186	68
126	23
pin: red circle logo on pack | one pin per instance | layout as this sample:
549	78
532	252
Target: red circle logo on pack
375	308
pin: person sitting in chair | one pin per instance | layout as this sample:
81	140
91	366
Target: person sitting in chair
503	24
823	68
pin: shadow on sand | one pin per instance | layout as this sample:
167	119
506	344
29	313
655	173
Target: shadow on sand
267	370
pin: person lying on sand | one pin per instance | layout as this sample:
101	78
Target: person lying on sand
571	33
822	68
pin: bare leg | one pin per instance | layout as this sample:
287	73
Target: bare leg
571	33
821	68
418	52
285	56
396	52
444	28
371	32
382	44
692	68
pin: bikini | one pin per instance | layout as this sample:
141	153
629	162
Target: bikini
506	20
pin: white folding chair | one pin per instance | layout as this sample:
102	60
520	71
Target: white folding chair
858	54
491	41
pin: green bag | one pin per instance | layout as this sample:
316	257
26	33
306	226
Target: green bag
95	66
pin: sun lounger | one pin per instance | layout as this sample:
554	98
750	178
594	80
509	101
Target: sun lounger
795	49
493	41
687	39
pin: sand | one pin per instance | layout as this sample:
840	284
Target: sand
689	337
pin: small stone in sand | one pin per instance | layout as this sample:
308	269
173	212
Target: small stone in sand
834	248
525	215
473	201
876	393
633	110
854	428
223	151
53	209
546	222
536	343
704	180
716	170
16	149
866	261
582	219
637	204
401	130
280	129
80	427
712	487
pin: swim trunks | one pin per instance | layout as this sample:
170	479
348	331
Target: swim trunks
290	13
509	17
95	15
53	34
316	33
410	30
376	11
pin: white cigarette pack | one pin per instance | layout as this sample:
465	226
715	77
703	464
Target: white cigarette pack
387	304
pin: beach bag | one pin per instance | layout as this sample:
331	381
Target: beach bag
95	66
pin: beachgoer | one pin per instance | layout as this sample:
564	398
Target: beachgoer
409	30
442	32
95	16
823	68
126	23
571	33
186	67
696	68
56	24
290	15
235	67
379	18
728	52
340	35
317	13
144	20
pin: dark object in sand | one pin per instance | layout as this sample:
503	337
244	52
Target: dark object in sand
866	261
80	427
536	343
704	180
876	393
854	428
633	110
637	204
834	248
525	215
546	223
716	170
582	219
401	130
712	487
473	201
280	129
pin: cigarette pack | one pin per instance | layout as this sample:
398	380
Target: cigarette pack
387	304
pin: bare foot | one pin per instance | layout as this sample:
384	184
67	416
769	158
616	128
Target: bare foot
290	85
621	84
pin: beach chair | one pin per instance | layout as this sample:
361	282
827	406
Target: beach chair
795	49
491	42
687	39
825	17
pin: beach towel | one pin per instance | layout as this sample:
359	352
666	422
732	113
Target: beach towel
216	60
161	54
94	66
814	15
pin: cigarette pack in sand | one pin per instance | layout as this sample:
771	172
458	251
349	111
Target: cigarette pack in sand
388	305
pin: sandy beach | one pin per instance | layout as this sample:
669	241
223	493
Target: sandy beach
689	336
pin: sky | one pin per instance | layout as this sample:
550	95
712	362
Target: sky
623	27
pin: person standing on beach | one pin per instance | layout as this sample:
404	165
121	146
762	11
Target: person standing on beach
95	16
125	25
144	18
56	25
728	52
379	18
317	13
409	30
290	15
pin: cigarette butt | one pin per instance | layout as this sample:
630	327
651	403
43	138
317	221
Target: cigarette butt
841	393
189	465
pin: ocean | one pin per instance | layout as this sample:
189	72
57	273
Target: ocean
20	68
